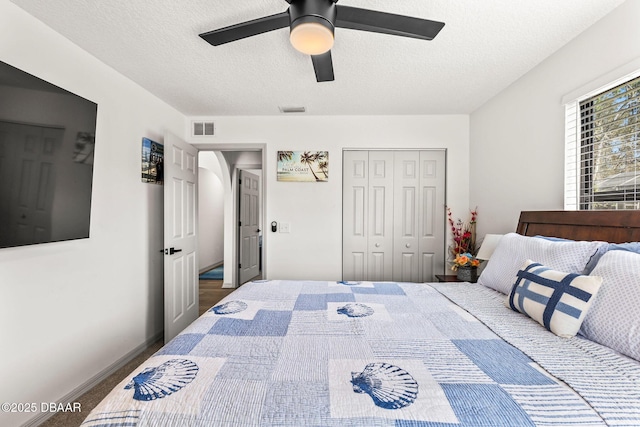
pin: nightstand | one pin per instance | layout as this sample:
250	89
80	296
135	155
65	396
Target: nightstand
447	278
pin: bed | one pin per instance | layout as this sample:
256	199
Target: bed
327	353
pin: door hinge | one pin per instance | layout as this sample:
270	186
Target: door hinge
239	223
239	265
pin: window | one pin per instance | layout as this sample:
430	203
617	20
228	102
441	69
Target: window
605	158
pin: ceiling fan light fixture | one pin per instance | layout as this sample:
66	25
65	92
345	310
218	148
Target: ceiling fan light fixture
313	36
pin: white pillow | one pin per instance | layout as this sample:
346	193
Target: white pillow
558	301
514	249
614	318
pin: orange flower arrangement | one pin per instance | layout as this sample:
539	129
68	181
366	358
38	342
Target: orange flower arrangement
465	260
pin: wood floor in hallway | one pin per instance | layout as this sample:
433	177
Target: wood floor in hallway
211	292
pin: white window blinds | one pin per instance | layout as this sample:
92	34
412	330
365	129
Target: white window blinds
571	156
609	143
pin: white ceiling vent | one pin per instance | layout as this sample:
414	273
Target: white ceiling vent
286	110
202	129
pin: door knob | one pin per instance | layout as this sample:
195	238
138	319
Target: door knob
172	251
408	245
377	245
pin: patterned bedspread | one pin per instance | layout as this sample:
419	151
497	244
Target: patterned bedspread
295	353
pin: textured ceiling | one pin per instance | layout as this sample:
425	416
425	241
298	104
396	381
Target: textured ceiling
485	46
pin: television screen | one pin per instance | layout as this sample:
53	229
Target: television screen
47	138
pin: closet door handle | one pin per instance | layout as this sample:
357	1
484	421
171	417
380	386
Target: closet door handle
408	245
377	245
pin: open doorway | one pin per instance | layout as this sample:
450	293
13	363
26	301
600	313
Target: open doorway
220	236
210	216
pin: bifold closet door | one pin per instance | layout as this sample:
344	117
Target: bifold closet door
368	215
393	215
419	231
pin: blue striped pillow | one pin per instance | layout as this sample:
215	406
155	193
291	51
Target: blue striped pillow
558	301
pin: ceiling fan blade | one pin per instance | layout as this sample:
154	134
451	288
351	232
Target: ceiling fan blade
247	29
323	67
387	23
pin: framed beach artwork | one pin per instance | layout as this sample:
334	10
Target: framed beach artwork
303	166
152	161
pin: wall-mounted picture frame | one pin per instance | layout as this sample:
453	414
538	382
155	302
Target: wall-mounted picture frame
303	166
152	161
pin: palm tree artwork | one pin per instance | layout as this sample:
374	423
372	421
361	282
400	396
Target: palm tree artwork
308	158
323	162
285	156
305	166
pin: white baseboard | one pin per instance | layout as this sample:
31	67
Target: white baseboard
228	286
92	382
214	265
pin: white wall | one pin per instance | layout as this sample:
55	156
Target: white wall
209	160
70	309
517	138
210	211
313	248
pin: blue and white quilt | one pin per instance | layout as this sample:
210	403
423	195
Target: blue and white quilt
297	353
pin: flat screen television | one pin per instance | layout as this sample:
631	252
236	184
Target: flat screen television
47	138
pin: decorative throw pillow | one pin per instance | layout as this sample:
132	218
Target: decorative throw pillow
629	246
614	318
514	249
601	250
558	301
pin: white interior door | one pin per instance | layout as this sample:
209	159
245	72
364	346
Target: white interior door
180	235
249	226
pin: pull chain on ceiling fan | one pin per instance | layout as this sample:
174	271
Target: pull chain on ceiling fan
312	24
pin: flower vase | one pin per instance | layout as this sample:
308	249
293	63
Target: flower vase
468	274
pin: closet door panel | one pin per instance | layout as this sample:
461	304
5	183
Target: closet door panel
355	201
432	214
380	216
428	268
357	269
406	180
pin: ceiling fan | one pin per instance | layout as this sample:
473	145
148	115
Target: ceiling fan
312	24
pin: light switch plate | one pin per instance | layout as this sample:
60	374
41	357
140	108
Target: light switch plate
285	227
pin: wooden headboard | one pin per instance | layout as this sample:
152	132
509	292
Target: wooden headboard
608	226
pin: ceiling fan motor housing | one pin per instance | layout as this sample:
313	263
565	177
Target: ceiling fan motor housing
321	12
